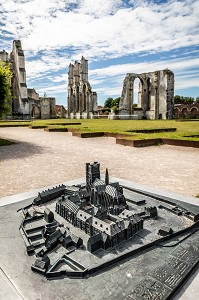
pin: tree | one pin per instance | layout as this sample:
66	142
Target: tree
108	102
183	100
5	88
115	102
188	100
177	99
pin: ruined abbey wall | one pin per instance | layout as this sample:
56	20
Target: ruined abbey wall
82	102
26	103
155	96
19	87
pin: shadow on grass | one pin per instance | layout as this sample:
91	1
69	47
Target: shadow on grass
4	142
19	150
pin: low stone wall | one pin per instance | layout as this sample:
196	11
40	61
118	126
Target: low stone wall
116	135
153	130
56	129
150	142
15	125
65	123
183	143
37	126
138	143
88	134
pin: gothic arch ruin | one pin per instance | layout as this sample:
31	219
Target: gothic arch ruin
36	112
155	96
82	102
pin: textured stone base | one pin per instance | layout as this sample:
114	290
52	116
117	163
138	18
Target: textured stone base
133	279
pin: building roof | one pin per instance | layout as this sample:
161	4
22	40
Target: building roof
110	190
98	182
110	229
71	206
126	214
84	216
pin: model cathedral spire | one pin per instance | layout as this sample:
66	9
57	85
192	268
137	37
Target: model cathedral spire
100	209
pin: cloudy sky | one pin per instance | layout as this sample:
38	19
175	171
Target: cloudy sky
116	36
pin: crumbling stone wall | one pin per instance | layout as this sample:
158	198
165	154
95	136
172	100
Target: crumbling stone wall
19	86
4	56
82	102
186	110
40	107
25	102
155	96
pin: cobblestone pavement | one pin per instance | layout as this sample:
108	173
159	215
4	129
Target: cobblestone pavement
40	158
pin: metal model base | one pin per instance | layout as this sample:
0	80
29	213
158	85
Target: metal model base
77	231
154	262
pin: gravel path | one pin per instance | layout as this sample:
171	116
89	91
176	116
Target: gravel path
41	158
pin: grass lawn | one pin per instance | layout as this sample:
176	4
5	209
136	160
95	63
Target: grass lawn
5	142
123	127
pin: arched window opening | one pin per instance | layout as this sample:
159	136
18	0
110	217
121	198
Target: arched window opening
148	95
71	99
137	93
184	112
84	98
176	112
36	112
77	98
194	112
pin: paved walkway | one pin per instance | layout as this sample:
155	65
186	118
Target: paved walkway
41	158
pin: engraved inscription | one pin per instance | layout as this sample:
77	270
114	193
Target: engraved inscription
171	272
149	289
160	283
187	253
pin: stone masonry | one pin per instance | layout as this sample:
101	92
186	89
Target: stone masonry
19	86
26	102
82	102
155	96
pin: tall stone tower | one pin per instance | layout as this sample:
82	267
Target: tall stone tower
20	93
92	172
82	102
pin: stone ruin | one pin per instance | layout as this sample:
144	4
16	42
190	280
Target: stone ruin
155	92
82	102
26	102
155	96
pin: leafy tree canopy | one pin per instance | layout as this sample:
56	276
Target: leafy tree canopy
115	102
110	102
5	88
183	100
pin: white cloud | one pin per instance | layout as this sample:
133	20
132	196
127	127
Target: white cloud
62	88
184	77
108	81
104	27
46	64
175	64
99	8
61	31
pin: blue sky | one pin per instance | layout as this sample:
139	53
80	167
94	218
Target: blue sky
117	37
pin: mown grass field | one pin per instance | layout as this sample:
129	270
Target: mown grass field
4	142
184	129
